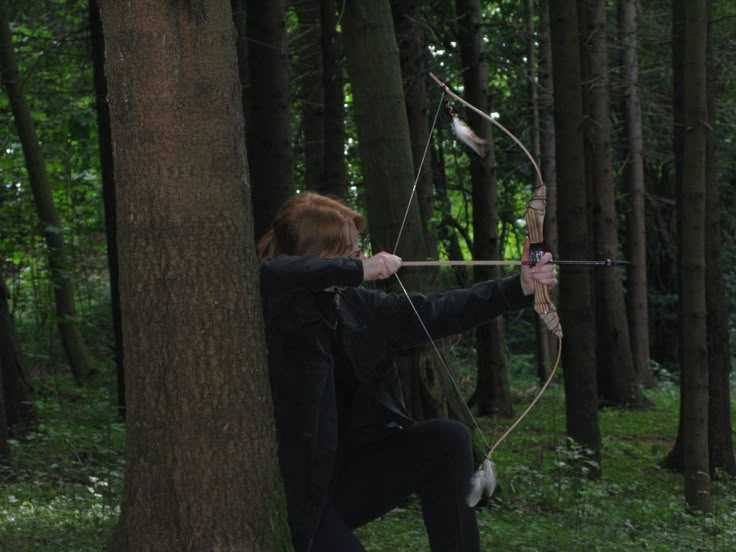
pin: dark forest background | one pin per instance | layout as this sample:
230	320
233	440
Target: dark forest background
629	108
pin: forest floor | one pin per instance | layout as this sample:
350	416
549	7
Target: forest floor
64	488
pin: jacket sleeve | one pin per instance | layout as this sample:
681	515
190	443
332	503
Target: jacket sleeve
447	313
311	273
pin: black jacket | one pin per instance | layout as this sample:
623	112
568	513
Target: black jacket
305	299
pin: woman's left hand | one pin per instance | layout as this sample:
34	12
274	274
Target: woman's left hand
542	272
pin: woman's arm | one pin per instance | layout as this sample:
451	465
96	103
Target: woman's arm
311	273
443	314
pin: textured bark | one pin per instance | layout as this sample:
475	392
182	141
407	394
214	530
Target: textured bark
577	317
634	185
50	224
201	468
617	380
691	201
492	395
108	192
267	111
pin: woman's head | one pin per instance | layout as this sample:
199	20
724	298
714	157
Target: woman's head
312	224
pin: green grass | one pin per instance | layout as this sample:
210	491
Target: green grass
546	504
64	488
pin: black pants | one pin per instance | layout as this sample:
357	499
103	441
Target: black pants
432	459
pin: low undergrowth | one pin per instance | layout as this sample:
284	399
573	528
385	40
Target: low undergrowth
63	490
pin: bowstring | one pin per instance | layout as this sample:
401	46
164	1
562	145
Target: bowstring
441	358
419	171
456	387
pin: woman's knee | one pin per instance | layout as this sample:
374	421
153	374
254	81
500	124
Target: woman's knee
452	435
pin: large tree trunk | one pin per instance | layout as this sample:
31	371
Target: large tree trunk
268	110
577	317
201	469
492	395
59	269
385	151
720	439
691	210
617	381
634	185
108	191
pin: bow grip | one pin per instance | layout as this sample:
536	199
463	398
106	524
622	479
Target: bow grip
536	252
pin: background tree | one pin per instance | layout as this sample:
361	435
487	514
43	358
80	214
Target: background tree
16	398
107	172
385	150
546	156
4	447
634	186
720	437
412	54
268	110
492	395
50	224
197	389
320	85
691	214
617	381
576	305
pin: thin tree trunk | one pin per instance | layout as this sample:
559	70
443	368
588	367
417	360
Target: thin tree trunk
691	201
16	393
720	439
333	180
108	192
492	395
636	243
413	71
532	74
547	153
201	470
268	116
577	316
617	381
308	49
59	269
4	446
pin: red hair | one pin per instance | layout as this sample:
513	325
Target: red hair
312	224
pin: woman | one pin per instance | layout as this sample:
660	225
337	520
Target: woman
349	451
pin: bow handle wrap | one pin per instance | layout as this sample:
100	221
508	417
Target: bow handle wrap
543	304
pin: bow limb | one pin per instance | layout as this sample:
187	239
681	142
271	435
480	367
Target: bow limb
494	122
536	208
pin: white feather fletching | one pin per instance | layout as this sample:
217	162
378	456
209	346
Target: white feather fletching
482	484
466	135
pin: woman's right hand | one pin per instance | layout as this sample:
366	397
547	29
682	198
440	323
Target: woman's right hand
380	266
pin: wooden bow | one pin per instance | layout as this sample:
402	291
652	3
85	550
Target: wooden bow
535	212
